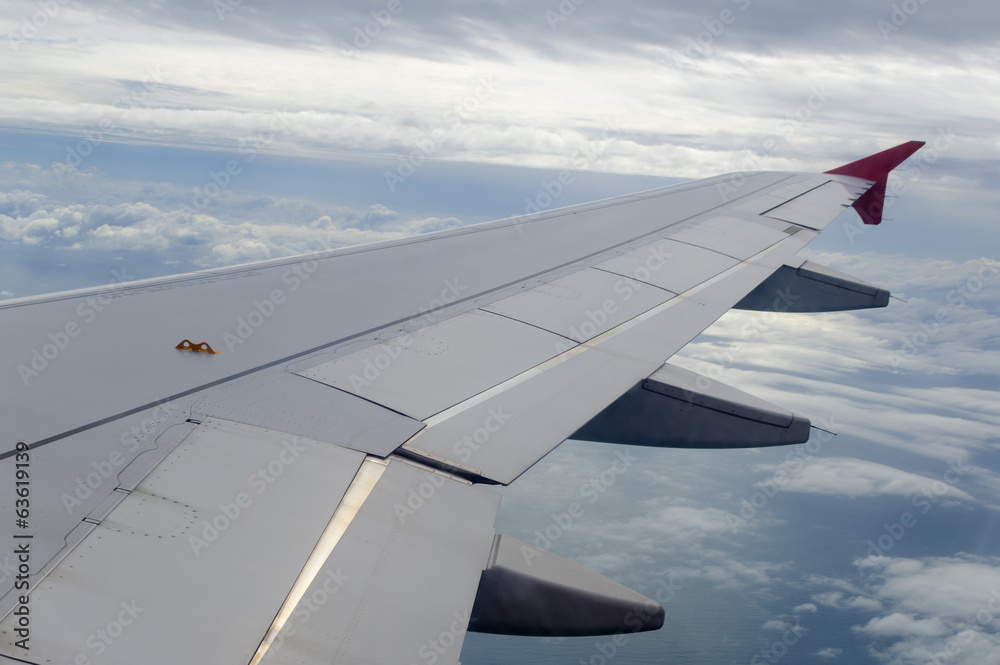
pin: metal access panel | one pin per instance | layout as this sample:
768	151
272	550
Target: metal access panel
422	373
670	265
816	208
275	399
775	197
502	432
582	305
738	238
193	564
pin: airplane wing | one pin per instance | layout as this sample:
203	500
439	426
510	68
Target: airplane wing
291	460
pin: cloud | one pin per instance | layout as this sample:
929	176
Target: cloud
630	26
901	625
786	79
828	598
912	377
862	603
935	607
615	88
852	478
829	652
232	227
652	524
836	600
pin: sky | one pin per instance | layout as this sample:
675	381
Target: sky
145	139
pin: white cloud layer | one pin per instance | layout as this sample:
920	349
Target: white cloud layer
658	105
945	608
230	228
854	478
617	87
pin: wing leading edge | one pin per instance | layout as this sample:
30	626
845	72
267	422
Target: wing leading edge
399	374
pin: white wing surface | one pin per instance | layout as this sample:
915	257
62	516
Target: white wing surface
290	461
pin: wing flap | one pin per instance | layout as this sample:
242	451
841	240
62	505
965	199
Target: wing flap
670	265
818	207
500	433
677	408
738	238
192	564
582	305
278	400
774	197
400	585
422	373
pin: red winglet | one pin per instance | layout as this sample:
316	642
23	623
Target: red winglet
876	168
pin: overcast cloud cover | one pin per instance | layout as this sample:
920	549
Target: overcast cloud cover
150	138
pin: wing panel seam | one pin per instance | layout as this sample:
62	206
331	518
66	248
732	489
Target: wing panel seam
357	493
584	346
302	354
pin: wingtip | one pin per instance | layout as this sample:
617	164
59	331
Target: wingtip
877	167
